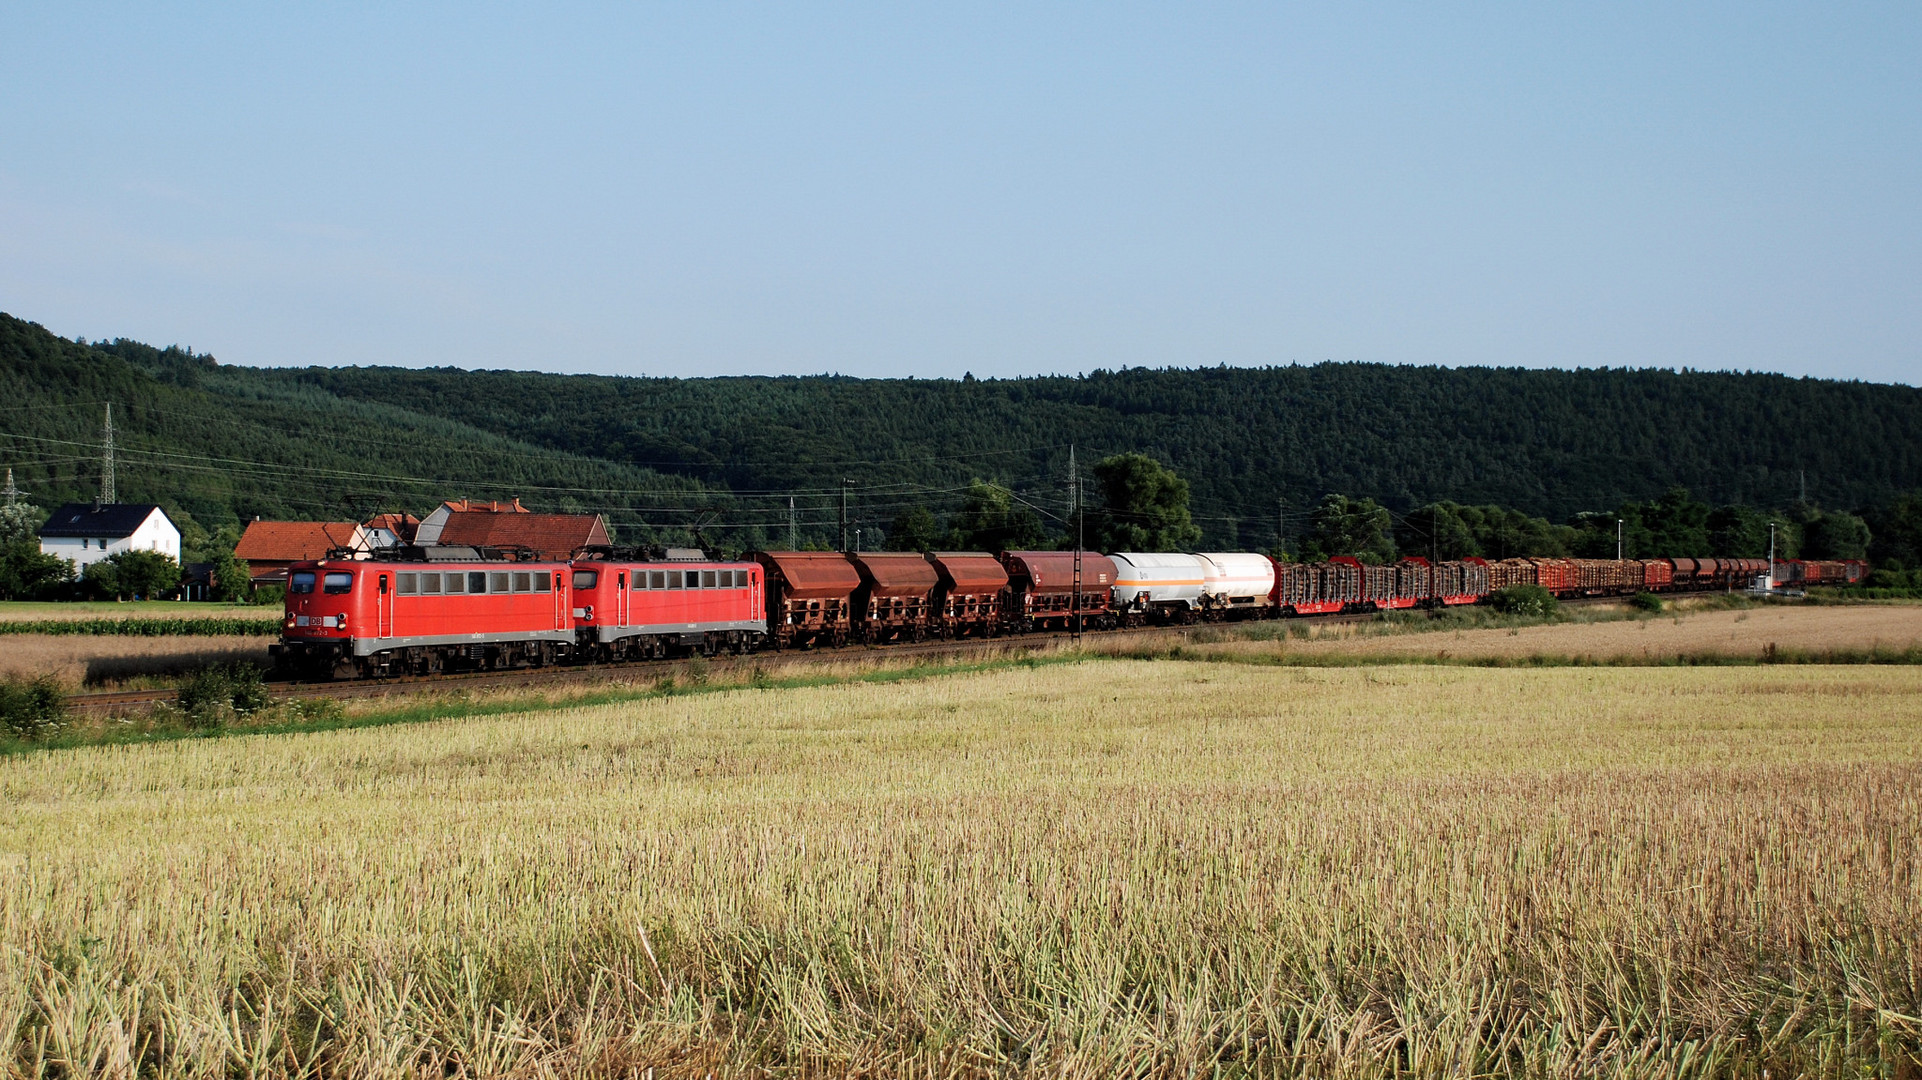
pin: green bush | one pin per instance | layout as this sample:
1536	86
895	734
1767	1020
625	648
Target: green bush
223	692
1530	600
1647	601
31	708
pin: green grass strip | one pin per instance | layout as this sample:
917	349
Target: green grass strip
138	627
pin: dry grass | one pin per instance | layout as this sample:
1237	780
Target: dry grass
1079	870
78	660
1736	634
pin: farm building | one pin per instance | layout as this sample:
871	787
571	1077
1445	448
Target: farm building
85	533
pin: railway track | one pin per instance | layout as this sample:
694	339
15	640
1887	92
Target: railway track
126	701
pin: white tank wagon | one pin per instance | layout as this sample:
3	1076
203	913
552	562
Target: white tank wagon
1164	587
1237	583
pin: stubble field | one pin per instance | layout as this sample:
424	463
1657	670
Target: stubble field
1090	869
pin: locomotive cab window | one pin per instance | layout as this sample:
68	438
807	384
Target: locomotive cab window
301	582
586	579
476	581
337	582
407	584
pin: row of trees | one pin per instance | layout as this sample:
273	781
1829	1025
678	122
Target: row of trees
1143	506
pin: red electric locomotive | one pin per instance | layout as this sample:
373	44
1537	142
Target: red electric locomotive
646	610
366	618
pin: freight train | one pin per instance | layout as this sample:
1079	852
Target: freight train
430	609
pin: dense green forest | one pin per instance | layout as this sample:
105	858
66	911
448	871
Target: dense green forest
1537	459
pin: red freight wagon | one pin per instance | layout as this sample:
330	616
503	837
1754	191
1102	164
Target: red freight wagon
1559	576
895	598
640	610
1041	589
1415	582
1463	582
967	596
1658	575
348	618
1315	588
810	597
1506	572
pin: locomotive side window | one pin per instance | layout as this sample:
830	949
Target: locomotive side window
540	581
497	581
586	579
407	584
457	583
337	582
476	581
523	582
673	579
707	579
430	583
301	582
657	579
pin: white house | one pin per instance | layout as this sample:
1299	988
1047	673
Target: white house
85	533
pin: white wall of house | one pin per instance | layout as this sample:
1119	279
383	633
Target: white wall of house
156	533
428	533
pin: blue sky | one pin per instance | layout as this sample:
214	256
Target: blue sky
904	189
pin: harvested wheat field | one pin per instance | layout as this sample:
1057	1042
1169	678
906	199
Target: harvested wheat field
77	659
1089	869
1740	634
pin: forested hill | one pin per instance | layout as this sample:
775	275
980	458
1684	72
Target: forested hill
725	453
1548	442
216	444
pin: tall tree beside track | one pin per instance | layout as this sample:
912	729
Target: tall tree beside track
1144	507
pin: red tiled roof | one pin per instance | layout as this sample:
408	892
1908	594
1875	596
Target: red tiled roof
553	536
470	506
291	541
401	525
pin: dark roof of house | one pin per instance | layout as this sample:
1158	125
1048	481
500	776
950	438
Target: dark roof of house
107	519
551	535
